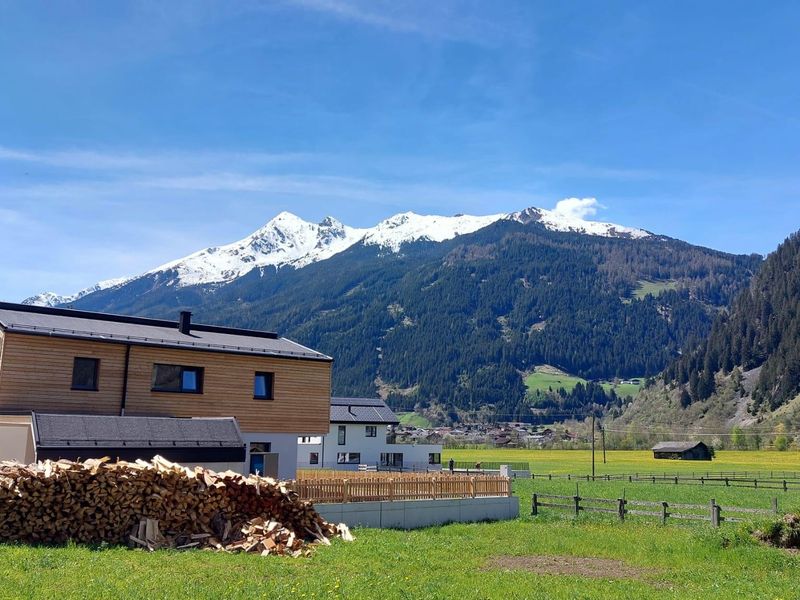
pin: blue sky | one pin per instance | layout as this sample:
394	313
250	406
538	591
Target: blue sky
132	133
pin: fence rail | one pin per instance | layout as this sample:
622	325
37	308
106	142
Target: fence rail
489	465
710	479
365	489
712	511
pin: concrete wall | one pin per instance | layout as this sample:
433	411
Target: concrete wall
415	456
413	514
16	439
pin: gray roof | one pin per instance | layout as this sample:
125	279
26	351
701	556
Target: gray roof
93	431
61	322
675	446
361	410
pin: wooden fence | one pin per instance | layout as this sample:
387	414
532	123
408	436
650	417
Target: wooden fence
712	511
732	479
366	489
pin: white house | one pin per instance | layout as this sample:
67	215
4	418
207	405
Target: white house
361	434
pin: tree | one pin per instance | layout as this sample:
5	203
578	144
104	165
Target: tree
738	438
781	440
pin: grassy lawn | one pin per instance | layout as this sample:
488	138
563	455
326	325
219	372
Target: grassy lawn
681	560
543	381
547	378
677	561
630	461
413	419
653	288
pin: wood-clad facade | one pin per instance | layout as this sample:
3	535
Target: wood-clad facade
36	374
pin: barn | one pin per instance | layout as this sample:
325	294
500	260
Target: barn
682	451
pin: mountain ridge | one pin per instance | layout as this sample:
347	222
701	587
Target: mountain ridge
289	241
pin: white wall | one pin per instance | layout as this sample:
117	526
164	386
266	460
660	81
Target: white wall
284	444
370	448
16	439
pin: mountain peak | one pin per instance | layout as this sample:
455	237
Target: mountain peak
289	241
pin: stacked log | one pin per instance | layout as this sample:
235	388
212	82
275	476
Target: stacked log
156	504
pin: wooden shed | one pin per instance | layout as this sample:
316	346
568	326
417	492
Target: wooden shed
682	451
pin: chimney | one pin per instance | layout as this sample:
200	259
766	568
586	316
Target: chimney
185	322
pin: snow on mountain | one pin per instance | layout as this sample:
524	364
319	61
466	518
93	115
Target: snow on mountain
53	299
393	232
565	218
289	241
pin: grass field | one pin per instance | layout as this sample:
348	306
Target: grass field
682	560
653	288
553	379
413	419
630	461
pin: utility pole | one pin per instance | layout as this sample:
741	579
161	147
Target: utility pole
592	447
603	434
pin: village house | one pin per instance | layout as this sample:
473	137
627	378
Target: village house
206	394
362	433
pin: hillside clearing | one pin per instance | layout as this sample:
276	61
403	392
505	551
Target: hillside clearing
413	419
653	288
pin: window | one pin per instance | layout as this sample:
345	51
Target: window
260	447
342	434
314	439
392	459
262	386
348	458
313	458
84	373
372	430
434	458
175	378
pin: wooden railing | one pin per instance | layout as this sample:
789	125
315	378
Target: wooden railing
712	511
365	487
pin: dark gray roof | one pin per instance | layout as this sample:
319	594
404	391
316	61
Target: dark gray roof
96	431
675	446
361	410
61	322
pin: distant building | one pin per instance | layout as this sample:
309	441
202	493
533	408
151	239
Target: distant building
682	451
360	435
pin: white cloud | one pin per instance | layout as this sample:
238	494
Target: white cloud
577	208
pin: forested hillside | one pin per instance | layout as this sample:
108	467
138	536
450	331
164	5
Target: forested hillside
761	330
458	323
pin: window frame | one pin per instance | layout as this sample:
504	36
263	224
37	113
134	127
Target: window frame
341	438
199	371
96	376
348	458
371	431
313	458
434	458
270	377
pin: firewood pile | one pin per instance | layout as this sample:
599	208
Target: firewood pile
155	505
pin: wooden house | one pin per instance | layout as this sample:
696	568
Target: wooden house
61	361
682	451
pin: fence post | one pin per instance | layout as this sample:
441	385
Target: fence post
775	505
702	480
726	482
346	490
433	488
534	505
472	490
391	490
577	505
755	483
676	480
621	508
784	485
715	511
664	513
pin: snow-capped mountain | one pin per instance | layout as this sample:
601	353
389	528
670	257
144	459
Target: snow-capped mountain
289	241
53	299
561	221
